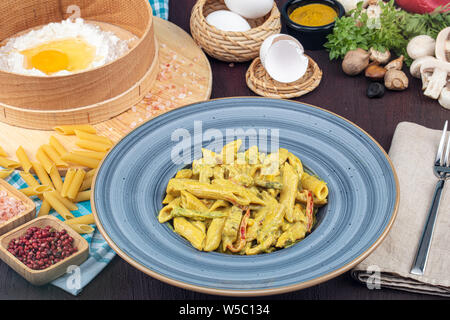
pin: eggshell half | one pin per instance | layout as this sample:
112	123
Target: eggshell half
227	21
250	9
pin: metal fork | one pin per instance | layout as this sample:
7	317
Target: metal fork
442	172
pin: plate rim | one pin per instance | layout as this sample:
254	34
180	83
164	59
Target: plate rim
257	292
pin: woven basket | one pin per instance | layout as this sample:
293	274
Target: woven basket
259	81
231	46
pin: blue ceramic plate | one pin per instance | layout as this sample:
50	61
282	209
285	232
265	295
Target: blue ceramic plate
363	198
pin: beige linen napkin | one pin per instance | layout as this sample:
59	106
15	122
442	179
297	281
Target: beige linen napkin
412	152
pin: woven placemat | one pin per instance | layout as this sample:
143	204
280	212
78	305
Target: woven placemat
259	81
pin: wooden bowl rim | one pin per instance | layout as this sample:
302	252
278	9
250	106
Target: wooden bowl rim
84	245
141	39
30	205
257	29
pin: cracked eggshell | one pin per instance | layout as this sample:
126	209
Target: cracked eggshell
227	21
250	9
283	58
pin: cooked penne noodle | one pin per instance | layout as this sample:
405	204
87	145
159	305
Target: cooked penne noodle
35	190
45	161
45	208
93	145
81	228
70	129
8	164
56	178
5	173
53	200
54	155
67	181
86	219
92	137
3	152
84	161
318	187
83	196
42	174
76	183
57	146
90	154
23	159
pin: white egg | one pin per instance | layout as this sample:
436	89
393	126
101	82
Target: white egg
227	21
250	9
283	58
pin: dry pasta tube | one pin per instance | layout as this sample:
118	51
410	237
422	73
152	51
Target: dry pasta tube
45	208
58	205
67	181
66	202
54	155
92	137
93	145
23	159
35	190
70	129
41	173
86	219
29	179
82	228
8	164
87	184
90	173
57	146
90	154
83	196
42	157
3	152
4	173
56	178
77	181
75	158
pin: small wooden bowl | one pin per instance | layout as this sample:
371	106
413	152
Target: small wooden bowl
231	46
28	214
41	277
91	96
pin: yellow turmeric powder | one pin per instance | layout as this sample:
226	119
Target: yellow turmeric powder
313	15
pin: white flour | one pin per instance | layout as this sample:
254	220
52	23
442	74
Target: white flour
109	46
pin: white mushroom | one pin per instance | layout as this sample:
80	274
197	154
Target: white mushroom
442	50
414	69
421	46
351	4
438	80
444	99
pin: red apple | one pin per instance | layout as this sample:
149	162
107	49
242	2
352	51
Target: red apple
420	6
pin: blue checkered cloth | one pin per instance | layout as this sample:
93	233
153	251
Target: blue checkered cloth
100	254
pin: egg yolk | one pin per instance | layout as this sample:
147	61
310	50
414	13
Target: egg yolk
70	54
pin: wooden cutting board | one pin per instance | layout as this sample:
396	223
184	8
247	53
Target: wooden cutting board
184	78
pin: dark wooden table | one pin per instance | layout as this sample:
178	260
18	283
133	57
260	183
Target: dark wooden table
337	93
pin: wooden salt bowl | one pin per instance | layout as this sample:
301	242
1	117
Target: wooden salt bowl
86	97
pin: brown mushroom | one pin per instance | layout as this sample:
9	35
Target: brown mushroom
396	64
395	80
380	57
375	72
355	61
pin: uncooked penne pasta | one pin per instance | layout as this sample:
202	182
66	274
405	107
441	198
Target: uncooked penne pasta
92	137
81	228
90	154
8	164
29	179
83	196
57	146
84	161
23	159
86	219
66	202
58	205
87	184
54	155
5	173
70	129
93	145
45	208
3	152
45	161
90	173
41	173
35	190
77	181
67	181
56	178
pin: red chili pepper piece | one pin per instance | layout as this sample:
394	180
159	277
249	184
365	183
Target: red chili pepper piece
242	234
309	209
